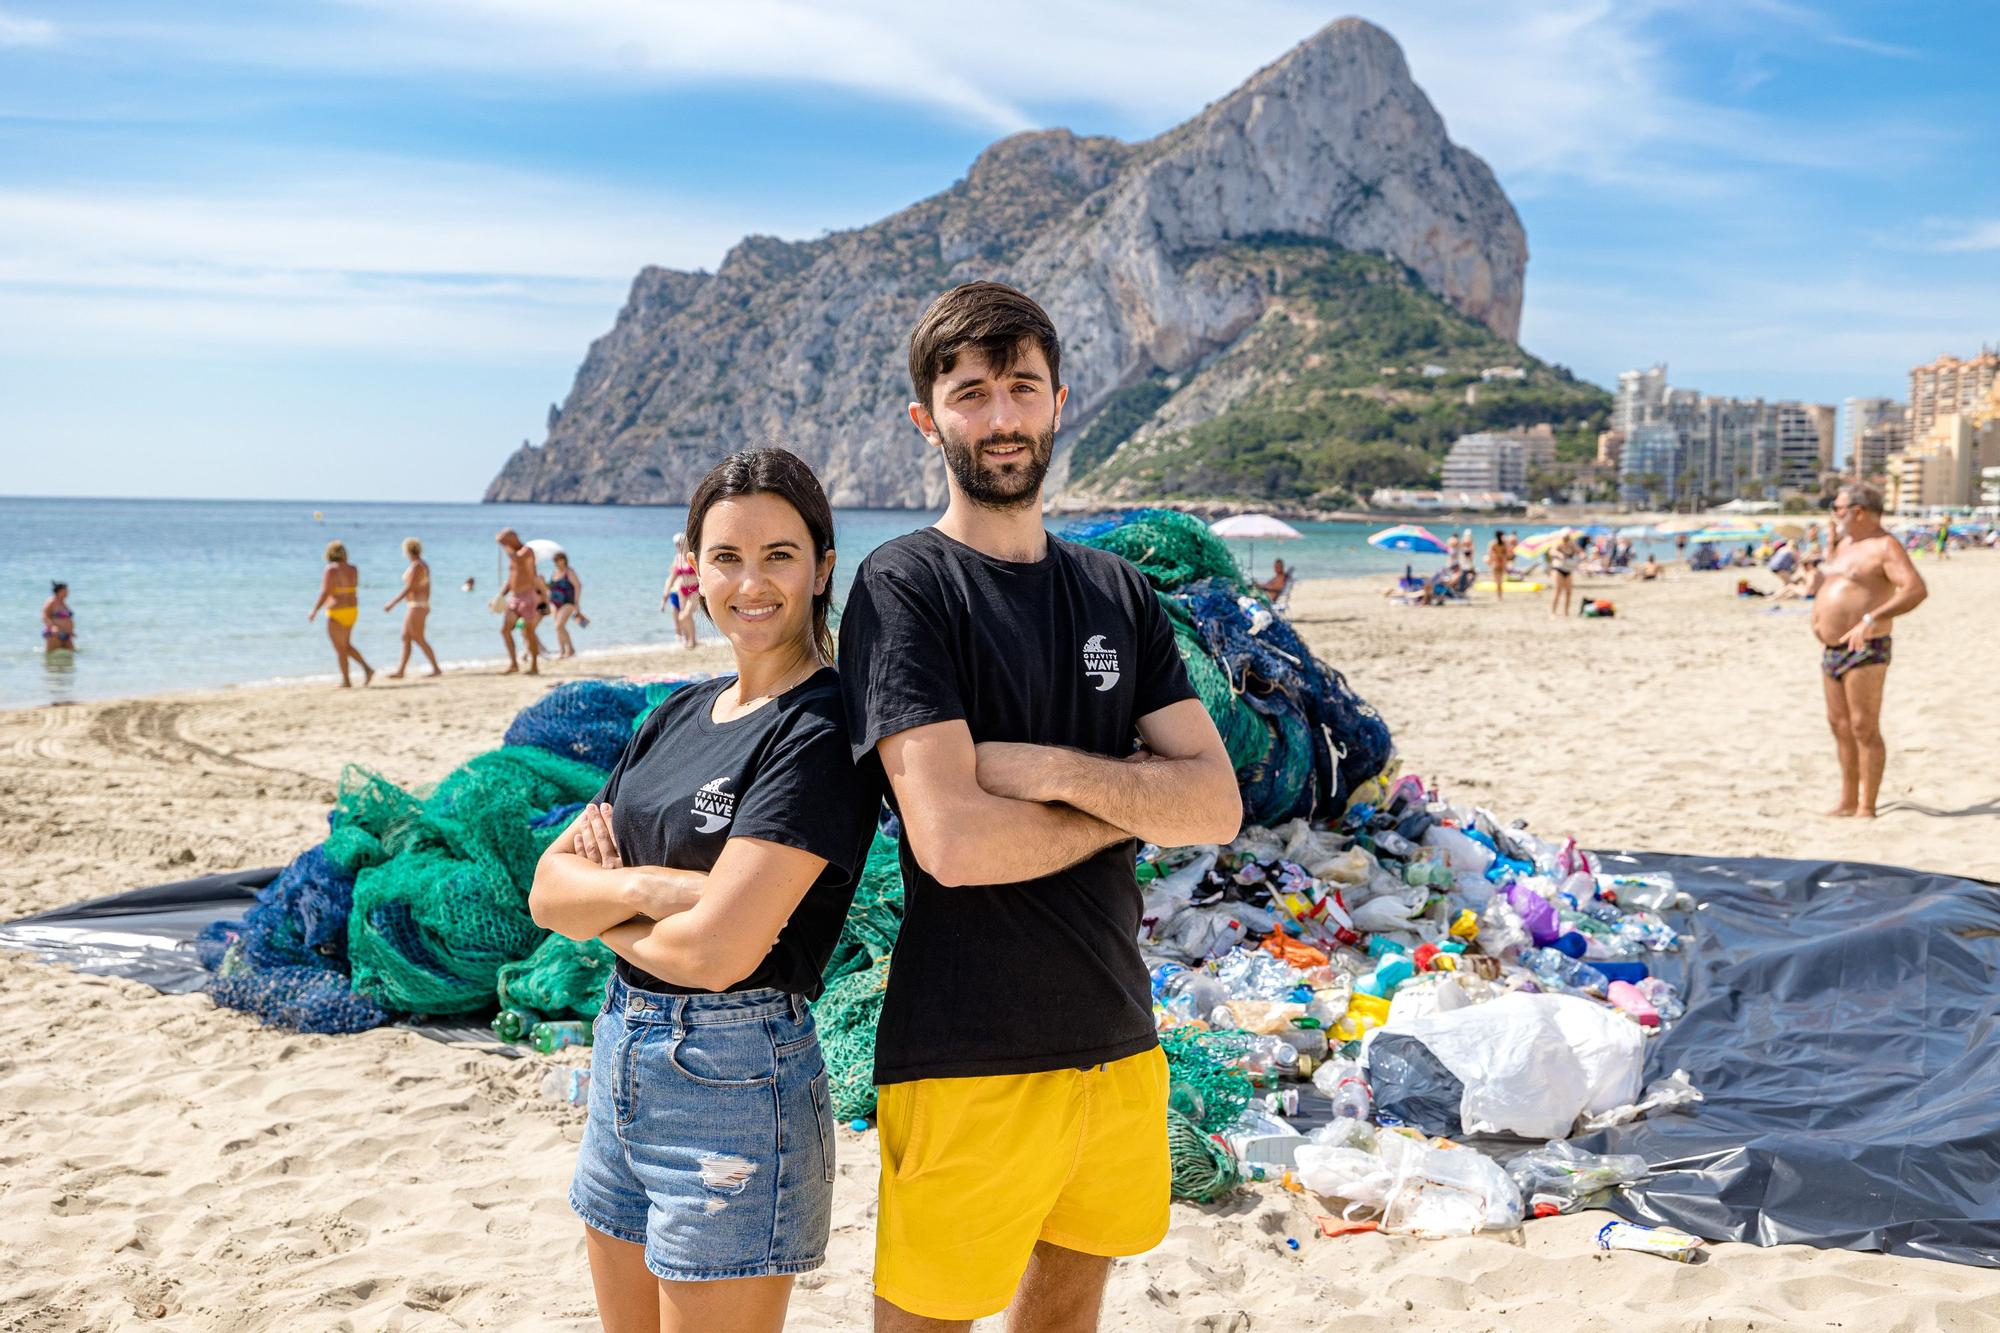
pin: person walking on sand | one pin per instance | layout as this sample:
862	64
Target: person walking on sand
566	596
1496	563
1562	563
681	589
717	863
1867	581
522	591
337	589
58	621
417	593
1002	675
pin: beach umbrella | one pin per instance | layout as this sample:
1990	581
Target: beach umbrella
1255	526
545	549
1409	537
1535	546
1727	535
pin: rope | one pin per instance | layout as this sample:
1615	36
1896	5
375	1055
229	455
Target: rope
1203	1168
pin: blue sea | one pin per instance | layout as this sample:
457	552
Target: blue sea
180	594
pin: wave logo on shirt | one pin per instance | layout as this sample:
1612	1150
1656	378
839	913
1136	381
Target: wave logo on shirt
1100	662
714	806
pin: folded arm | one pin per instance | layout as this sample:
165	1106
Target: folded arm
962	833
745	902
583	887
1178	791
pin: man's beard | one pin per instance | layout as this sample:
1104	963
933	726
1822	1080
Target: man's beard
1009	486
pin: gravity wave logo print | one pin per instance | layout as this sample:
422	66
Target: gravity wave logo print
715	806
1100	662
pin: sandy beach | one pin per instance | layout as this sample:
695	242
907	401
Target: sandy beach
171	1165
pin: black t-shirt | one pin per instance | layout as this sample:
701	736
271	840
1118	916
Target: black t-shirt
784	773
1070	650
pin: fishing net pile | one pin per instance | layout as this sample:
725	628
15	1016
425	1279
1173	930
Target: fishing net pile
1301	739
417	901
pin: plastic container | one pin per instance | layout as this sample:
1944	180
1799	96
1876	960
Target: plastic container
1616	970
1343	1083
1633	1002
569	1084
549	1036
1364	1011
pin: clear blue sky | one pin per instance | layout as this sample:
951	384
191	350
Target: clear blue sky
354	248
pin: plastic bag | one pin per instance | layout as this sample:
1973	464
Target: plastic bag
1461	852
1392	910
1531	1064
1662	1094
1445	1191
1412	1085
1568	1178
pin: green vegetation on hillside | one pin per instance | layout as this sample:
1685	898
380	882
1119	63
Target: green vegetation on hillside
1339	401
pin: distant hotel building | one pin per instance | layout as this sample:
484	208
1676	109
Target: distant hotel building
1943	467
1492	461
1879	442
1949	385
1722	446
1857	416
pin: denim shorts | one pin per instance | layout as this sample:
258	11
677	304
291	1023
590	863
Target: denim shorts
710	1134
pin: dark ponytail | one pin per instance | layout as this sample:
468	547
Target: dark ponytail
784	474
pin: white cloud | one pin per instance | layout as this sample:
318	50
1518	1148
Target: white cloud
1968	236
399	254
15	31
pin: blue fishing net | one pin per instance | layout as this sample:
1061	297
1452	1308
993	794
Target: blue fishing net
587	720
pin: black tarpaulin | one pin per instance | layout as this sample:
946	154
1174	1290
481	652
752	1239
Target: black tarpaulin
1841	1024
148	935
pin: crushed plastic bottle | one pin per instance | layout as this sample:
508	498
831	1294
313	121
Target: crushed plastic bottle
1561	973
550	1036
1344	1084
569	1084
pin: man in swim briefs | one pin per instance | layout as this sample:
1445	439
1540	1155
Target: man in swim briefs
1867	581
523	600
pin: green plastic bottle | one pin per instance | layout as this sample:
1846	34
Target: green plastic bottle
552	1035
513	1024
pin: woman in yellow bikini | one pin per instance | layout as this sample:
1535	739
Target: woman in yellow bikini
337	588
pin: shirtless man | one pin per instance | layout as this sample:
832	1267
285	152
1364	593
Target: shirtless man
417	591
523	592
1868	581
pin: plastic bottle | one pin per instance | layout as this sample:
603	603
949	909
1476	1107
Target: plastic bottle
1632	1001
1560	972
512	1024
569	1084
1187	994
1391	843
1343	1083
1666	1001
550	1035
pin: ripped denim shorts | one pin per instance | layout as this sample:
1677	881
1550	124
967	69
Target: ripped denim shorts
710	1134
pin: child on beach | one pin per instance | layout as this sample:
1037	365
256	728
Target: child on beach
718	862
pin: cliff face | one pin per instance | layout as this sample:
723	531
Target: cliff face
805	343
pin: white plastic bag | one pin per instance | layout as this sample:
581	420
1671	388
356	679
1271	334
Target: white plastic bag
1445	1191
1391	911
1532	1063
1359	1177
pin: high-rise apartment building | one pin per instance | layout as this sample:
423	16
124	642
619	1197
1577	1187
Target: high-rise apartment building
1655	450
1878	443
1639	391
1856	416
1947	385
1943	466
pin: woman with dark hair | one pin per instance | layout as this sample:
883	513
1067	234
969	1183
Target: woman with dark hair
718	863
566	596
58	621
338	587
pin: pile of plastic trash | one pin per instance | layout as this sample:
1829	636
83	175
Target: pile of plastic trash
1342	1006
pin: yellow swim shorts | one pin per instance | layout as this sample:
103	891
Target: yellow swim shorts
975	1171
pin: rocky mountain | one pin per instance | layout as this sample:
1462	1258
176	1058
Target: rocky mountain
1146	255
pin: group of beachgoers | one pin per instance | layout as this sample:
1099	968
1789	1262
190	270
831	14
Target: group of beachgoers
525	601
1019	702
